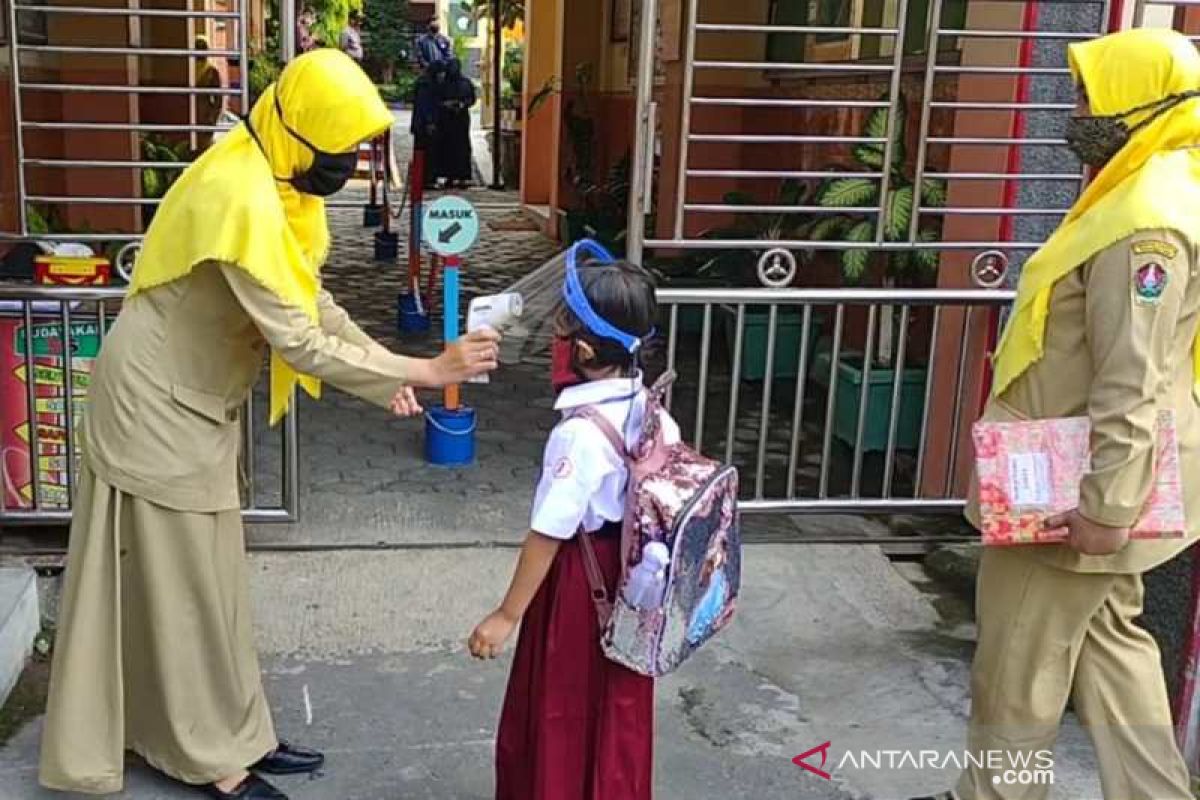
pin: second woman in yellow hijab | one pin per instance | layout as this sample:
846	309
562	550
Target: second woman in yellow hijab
1104	327
155	651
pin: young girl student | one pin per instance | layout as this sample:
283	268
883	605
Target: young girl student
576	726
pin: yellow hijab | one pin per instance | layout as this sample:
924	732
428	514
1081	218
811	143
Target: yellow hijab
1153	182
229	206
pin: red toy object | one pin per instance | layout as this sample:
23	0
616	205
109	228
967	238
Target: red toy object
72	271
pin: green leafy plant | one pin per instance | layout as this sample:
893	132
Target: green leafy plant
264	70
913	266
851	193
739	267
601	200
332	16
401	90
513	74
549	89
156	181
38	223
511	11
462	48
385	38
601	211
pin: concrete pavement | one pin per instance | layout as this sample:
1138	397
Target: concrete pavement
831	644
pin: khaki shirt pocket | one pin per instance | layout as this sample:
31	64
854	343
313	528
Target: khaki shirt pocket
208	405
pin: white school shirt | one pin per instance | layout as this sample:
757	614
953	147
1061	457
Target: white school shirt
583	477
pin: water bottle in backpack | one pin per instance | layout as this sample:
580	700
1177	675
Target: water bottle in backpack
648	580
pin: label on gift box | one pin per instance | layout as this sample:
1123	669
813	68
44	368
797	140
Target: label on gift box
1027	471
1029	479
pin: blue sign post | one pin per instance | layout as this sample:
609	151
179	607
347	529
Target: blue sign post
450	228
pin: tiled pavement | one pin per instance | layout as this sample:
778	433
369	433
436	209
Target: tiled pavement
360	466
363	476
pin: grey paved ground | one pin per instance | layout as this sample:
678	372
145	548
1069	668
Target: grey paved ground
832	644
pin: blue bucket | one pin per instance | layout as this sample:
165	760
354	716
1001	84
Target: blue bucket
450	436
411	317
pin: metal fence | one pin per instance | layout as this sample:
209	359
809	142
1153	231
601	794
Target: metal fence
24	125
836	147
39	415
953	80
790	386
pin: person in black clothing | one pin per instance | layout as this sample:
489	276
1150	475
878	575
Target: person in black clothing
452	162
424	118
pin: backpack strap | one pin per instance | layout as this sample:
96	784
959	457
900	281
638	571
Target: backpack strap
595	576
655	403
593	415
658	392
591	564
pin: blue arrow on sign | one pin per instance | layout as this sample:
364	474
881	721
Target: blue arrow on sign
451	226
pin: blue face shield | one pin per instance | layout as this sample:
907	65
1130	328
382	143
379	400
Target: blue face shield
577	301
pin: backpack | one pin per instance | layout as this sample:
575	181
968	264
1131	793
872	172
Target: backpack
689	503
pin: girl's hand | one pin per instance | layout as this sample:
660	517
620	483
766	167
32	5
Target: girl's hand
405	404
491	634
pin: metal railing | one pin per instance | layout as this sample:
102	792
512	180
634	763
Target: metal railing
39	436
793	392
941	68
24	126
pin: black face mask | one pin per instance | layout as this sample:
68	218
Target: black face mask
327	174
1095	140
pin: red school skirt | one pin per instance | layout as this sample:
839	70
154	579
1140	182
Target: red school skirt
575	726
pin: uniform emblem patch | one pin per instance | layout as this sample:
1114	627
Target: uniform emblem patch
1154	247
1149	283
563	469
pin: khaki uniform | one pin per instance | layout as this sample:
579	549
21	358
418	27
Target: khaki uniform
155	651
1056	625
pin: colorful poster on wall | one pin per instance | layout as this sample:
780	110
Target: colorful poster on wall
48	435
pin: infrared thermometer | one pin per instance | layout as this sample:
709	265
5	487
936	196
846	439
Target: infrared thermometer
495	311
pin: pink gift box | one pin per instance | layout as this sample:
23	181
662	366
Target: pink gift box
1028	471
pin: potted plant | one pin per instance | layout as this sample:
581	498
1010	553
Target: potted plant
599	207
510	111
900	267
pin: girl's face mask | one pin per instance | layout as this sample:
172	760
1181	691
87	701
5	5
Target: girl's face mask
562	364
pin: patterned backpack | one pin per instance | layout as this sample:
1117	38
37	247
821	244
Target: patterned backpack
689	503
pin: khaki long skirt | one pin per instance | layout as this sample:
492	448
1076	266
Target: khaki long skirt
155	651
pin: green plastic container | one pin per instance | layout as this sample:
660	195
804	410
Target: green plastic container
691	319
789	331
879	403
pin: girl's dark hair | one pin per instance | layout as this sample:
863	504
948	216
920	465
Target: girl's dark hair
623	295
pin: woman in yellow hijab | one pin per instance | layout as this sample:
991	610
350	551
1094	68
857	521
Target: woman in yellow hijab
1104	327
155	651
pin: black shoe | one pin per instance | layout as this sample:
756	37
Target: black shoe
252	788
288	759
